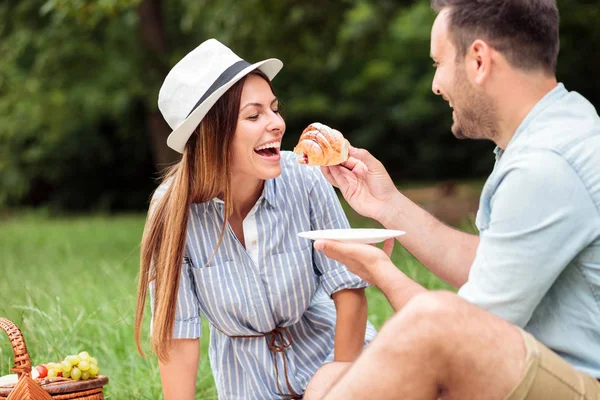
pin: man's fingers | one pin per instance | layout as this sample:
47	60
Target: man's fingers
339	251
350	163
343	250
330	248
363	155
388	246
327	174
340	175
351	169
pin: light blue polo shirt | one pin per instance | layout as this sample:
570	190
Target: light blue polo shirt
538	261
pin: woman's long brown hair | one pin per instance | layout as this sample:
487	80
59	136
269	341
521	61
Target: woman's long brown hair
202	174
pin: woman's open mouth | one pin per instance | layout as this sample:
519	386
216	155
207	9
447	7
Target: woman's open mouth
269	151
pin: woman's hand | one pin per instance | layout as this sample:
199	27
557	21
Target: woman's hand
364	183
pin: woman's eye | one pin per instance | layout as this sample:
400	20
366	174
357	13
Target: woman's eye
276	111
253	117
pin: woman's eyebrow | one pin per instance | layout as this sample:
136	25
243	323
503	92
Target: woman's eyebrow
259	105
252	104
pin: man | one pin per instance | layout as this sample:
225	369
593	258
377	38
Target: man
530	281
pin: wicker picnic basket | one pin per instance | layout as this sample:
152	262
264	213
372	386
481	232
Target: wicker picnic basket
28	388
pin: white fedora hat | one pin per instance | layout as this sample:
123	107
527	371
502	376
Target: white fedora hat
197	81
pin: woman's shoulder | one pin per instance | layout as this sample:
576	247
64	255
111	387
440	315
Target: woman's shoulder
157	195
160	191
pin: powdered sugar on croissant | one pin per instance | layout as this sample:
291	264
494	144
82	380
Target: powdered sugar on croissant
321	145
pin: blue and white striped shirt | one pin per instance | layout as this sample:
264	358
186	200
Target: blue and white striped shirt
277	280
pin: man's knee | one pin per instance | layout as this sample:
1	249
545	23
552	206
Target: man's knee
424	321
324	379
431	308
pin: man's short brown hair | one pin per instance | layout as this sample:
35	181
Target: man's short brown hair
524	31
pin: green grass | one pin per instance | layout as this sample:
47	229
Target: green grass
70	284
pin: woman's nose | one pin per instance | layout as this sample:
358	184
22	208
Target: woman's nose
277	123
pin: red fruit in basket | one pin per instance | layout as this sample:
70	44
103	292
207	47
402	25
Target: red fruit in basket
42	370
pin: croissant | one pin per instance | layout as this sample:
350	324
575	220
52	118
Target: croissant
321	145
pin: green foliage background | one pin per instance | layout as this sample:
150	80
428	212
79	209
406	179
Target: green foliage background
78	81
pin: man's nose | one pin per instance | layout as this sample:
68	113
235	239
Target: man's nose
435	88
434	85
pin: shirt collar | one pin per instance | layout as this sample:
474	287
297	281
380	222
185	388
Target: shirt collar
498	152
268	193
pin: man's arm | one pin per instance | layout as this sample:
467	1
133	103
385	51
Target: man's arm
542	217
374	266
445	251
397	287
368	188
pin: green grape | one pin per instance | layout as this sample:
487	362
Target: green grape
84	356
85	375
94	370
52	373
66	366
74	360
93	361
67	374
84	365
75	373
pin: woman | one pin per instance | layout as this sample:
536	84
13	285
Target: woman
221	241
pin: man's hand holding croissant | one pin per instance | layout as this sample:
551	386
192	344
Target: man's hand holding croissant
362	179
364	183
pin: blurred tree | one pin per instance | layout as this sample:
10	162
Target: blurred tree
154	37
79	80
69	100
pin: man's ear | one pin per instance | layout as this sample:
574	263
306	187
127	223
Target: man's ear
478	61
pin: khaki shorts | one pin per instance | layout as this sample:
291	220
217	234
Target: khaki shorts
549	377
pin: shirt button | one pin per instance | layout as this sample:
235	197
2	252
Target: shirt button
254	243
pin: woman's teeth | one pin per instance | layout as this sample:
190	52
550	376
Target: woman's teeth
272	145
268	150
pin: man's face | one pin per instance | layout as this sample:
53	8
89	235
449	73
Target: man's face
474	114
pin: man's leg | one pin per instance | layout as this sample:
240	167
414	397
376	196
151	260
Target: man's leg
324	379
438	345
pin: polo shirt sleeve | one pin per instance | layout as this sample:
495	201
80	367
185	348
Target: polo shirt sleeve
326	213
541	217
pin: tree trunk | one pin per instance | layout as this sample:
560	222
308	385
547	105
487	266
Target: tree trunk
155	41
162	155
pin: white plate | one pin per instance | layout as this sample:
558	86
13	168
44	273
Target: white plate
356	235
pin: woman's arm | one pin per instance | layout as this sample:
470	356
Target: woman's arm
351	323
178	374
